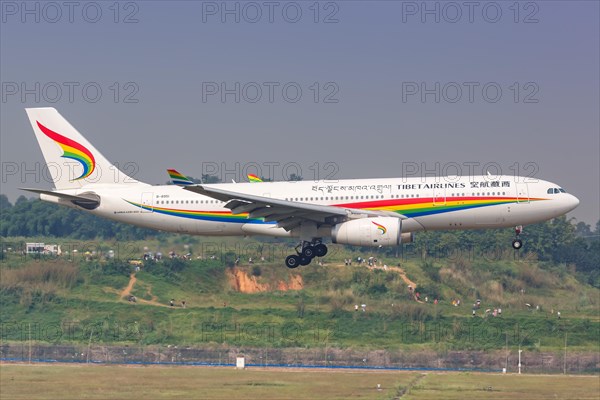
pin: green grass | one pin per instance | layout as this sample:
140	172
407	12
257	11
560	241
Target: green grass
119	382
116	382
455	386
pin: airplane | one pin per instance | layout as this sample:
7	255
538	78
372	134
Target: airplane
360	212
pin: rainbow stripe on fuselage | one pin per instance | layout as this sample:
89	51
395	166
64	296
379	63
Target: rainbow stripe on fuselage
411	208
215	216
422	206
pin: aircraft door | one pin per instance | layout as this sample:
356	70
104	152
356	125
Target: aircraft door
147	202
439	197
522	193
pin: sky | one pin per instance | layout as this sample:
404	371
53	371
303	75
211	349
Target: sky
332	89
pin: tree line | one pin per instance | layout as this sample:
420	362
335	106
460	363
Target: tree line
559	241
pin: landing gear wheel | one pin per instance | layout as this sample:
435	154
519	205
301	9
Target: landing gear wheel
305	260
517	244
309	252
320	250
292	261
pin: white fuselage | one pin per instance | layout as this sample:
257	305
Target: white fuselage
434	203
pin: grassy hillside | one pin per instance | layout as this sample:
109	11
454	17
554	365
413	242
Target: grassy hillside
79	297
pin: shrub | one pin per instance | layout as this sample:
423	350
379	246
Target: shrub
377	289
63	275
432	271
116	267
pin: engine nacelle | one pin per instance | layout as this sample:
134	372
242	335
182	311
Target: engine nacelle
374	232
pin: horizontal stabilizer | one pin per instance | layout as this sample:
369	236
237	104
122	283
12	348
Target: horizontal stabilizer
88	200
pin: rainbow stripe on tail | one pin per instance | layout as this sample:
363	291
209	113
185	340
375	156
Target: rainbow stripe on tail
253	178
73	150
178	178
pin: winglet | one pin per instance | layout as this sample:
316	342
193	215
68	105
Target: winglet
178	178
253	178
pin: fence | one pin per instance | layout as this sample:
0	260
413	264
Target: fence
492	361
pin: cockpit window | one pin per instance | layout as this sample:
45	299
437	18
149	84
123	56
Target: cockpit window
562	190
556	190
550	191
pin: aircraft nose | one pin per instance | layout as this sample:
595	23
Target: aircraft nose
572	202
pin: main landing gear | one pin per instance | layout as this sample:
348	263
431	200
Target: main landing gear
517	243
306	252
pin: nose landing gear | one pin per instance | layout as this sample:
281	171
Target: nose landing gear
517	243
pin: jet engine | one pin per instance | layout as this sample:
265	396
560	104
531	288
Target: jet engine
374	232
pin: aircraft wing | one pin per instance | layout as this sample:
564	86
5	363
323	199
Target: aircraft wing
287	214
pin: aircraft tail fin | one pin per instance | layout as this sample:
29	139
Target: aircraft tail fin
178	178
72	161
254	178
